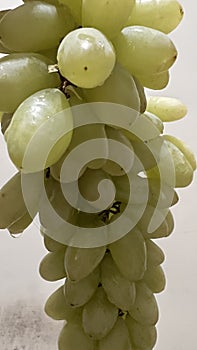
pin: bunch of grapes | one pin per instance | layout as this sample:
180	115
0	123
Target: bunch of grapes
92	159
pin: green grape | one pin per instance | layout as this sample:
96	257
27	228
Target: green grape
117	338
50	53
51	245
107	16
184	148
163	15
155	120
161	225
37	26
155	279
57	308
5	121
119	88
52	266
129	254
12	203
155	255
142	49
118	289
125	153
142	337
137	189
142	129
166	108
142	95
183	170
156	81
99	315
89	60
80	262
99	198
72	337
75	7
161	195
21	75
42	117
79	293
144	310
20	225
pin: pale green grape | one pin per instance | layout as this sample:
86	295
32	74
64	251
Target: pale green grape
163	15
117	339
144	310
155	120
155	255
79	293
52	266
37	26
75	8
99	315
12	203
113	167
129	254
161	194
166	108
37	127
120	291
51	245
142	129
119	88
80	262
155	279
21	75
160	226
142	336
5	121
21	224
107	16
157	81
101	198
142	49
86	57
142	95
50	53
137	189
184	148
57	308
72	337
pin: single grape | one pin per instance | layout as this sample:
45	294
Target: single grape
141	336
73	337
155	279
184	148
52	266
166	108
86	57
42	125
157	81
21	75
141	49
107	16
163	15
117	338
35	26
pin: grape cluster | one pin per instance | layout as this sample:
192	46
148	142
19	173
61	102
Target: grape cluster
92	159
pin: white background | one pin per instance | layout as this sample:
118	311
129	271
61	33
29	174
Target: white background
22	292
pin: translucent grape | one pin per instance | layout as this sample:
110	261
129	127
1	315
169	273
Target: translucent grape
141	49
157	81
51	245
117	339
107	16
155	279
39	109
142	336
129	254
155	255
89	60
144	310
52	266
80	262
75	7
35	26
99	315
21	75
20	225
166	108
79	293
163	15
119	290
119	88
